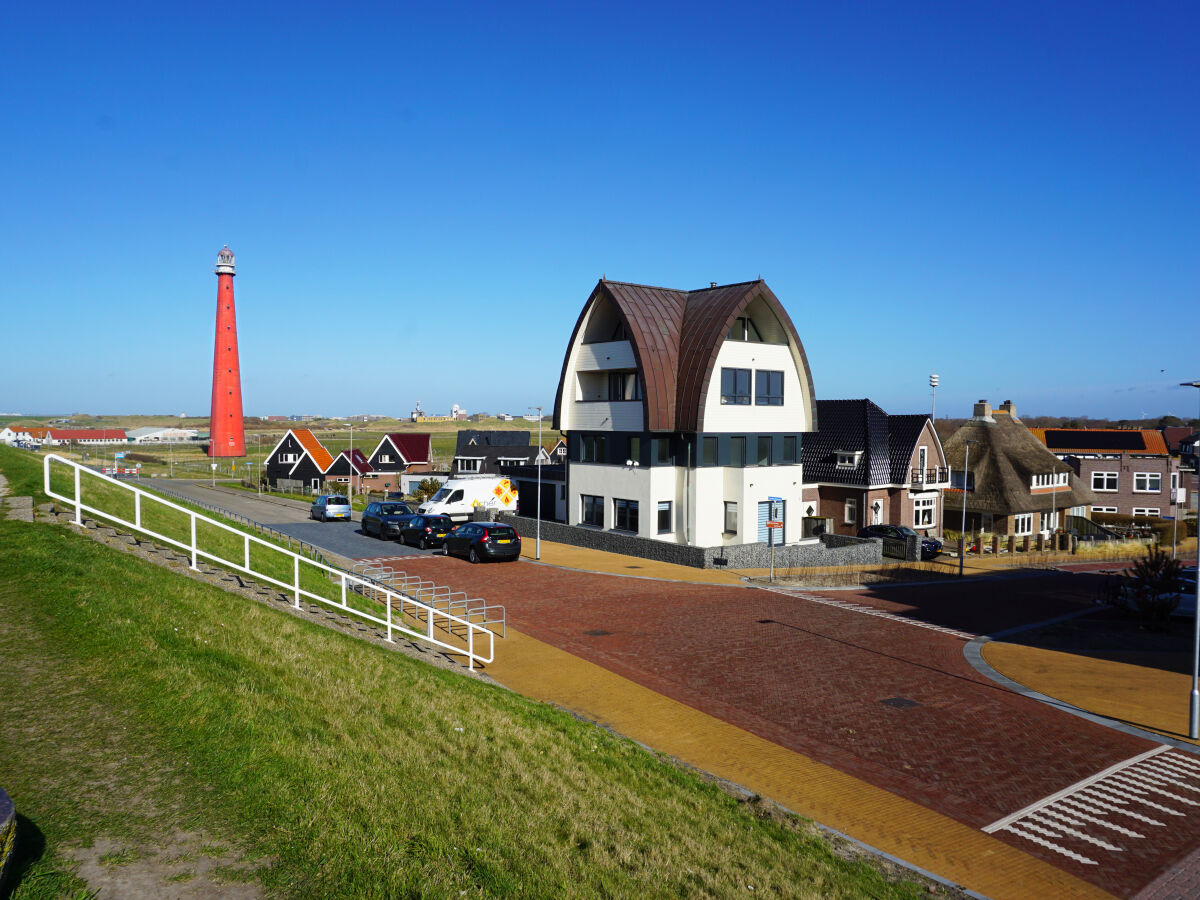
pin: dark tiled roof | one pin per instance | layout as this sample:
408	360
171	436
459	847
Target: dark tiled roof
474	443
676	336
342	462
1175	435
860	426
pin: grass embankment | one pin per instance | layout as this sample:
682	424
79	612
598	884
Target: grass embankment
149	702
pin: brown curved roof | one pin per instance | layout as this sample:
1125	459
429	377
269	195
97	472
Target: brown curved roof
676	336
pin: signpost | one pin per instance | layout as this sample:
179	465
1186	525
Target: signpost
773	523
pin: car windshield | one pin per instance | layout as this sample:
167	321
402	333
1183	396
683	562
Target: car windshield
337	501
905	530
393	509
441	495
439	521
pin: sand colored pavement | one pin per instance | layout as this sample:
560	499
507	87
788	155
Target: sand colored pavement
1123	689
872	815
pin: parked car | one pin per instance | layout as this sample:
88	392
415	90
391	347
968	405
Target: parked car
930	547
426	531
385	519
484	540
330	506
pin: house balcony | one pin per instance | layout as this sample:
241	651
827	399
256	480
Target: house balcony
606	415
929	479
606	356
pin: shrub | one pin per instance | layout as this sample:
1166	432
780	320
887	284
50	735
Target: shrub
1152	587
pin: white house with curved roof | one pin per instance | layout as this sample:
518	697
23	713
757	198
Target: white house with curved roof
683	413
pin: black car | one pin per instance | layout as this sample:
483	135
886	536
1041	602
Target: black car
385	519
426	531
484	540
930	547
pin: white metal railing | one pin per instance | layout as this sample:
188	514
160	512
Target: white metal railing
467	632
473	609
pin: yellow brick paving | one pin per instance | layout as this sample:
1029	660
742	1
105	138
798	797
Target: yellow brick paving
1141	695
872	815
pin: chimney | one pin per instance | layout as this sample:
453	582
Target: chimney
1011	408
983	411
712	284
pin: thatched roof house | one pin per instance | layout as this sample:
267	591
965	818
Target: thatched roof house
1016	485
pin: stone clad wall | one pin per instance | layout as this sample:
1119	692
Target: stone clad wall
832	550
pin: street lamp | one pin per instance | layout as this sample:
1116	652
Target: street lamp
350	458
962	535
933	386
537	544
1194	709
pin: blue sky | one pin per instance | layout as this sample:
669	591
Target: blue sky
421	198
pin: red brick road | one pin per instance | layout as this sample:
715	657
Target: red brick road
812	678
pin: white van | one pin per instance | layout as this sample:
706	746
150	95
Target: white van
458	497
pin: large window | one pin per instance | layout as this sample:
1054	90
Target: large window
789	450
1104	481
764	450
1104	509
851	511
592	449
737	451
768	388
624	386
730	517
735	387
591	510
743	329
625	515
664	517
1147	482
469	465
708	451
1023	524
924	509
635	449
1145	510
662	451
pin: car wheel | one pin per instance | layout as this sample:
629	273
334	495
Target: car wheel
423	543
474	557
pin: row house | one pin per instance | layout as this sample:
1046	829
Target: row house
490	452
300	459
1013	484
1131	471
865	467
683	412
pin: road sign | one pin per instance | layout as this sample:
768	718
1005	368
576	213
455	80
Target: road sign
774	524
1168	518
775	499
118	456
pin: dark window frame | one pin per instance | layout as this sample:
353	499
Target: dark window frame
665	507
735	386
766	394
625	515
589	506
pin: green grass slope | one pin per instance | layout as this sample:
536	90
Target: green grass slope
139	701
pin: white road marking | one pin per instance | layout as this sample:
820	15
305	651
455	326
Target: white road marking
871	611
1107	800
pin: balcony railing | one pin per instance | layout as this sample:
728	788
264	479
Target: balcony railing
938	476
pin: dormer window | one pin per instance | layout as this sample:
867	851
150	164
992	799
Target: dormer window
744	330
619	333
848	459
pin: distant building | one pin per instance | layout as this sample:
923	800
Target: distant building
57	436
397	457
150	435
1131	471
488	452
298	462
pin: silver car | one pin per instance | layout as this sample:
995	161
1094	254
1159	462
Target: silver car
330	506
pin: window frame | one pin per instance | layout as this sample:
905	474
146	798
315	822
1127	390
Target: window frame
731	507
790	448
766	397
731	378
1104	509
625	515
1147	478
665	506
705	445
737	452
767	442
1107	477
850	513
589	504
1147	512
924	508
1020	519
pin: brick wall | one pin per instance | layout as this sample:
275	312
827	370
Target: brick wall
1125	499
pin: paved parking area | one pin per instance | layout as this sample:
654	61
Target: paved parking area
876	697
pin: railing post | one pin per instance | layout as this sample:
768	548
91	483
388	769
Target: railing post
388	600
296	578
137	510
343	589
78	499
470	646
247	553
193	518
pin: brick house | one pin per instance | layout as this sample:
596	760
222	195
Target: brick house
1131	471
397	457
1014	484
865	467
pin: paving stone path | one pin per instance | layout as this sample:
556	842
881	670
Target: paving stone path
895	705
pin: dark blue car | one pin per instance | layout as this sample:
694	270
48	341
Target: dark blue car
930	547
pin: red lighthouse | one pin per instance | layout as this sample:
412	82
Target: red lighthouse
226	434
